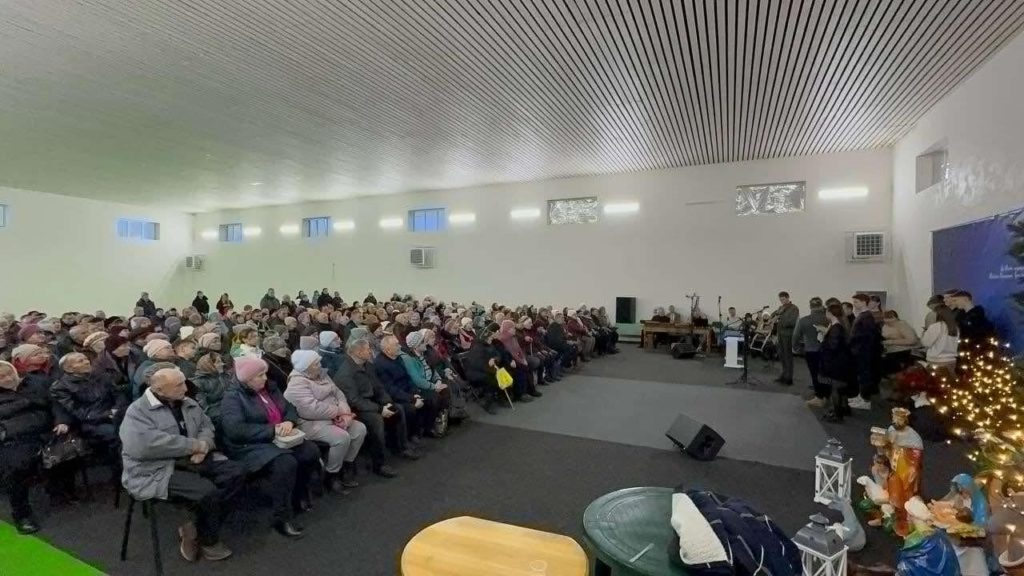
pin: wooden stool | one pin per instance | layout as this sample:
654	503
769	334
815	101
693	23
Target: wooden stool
468	546
628	532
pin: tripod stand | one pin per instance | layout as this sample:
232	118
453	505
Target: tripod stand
745	377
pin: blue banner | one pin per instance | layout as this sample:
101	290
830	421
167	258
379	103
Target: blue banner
986	258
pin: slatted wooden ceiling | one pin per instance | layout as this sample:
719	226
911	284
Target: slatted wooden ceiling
204	104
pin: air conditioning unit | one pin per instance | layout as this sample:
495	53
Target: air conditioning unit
867	247
195	262
422	257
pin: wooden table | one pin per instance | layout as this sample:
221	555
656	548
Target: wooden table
468	546
652	329
628	532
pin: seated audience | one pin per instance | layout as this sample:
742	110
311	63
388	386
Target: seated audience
516	362
357	378
399	386
33	364
156	351
26	424
278	358
325	416
247	343
93	406
429	388
169	454
211	382
113	366
330	350
256	418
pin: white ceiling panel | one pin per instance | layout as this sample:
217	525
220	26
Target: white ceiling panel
208	104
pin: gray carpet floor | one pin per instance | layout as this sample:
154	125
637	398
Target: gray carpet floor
506	473
775	429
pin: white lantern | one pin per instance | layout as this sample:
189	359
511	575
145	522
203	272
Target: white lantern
822	552
833	472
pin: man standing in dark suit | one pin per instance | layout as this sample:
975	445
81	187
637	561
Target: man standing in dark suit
866	349
787	314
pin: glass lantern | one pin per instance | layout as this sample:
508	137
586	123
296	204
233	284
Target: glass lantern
833	473
822	551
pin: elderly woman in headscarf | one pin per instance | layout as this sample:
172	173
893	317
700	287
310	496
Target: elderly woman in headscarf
537	353
254	414
325	417
428	387
305	325
27	419
517	362
466	333
211	382
34	364
93	406
279	364
93	344
330	351
156	351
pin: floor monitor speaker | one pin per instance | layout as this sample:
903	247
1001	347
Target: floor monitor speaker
625	310
697	439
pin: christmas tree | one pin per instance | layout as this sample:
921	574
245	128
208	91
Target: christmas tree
982	402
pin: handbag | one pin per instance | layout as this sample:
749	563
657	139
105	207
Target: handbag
61	449
504	378
290	441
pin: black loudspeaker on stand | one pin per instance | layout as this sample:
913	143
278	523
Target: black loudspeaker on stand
625	310
697	439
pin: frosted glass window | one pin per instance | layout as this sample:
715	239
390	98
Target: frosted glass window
138	229
316	227
573	210
230	232
780	198
3	215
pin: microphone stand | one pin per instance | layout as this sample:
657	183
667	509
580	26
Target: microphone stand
745	377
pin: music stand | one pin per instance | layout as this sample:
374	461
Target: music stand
745	377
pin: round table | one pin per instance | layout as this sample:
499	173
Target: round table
468	546
628	533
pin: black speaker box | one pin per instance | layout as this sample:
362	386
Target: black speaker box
625	310
697	439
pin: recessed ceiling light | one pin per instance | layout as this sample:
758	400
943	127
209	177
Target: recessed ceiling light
255	183
621	208
343	225
391	222
524	213
289	229
209	234
462	218
252	231
842	193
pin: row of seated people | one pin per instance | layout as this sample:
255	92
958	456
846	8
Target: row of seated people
192	410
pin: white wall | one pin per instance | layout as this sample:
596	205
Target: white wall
60	253
982	122
665	251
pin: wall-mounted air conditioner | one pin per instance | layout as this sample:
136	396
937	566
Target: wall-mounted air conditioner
422	257
867	247
195	262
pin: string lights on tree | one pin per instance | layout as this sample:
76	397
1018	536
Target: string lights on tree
982	401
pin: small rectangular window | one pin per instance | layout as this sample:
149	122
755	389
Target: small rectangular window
3	215
427	220
316	227
931	167
230	232
138	229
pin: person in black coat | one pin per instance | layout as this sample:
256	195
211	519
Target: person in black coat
201	303
399	386
834	365
93	407
253	414
866	349
384	420
27	419
114	369
481	365
147	305
557	340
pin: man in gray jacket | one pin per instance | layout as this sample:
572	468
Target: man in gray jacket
168	452
805	340
788	314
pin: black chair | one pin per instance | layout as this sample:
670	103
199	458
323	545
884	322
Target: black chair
148	509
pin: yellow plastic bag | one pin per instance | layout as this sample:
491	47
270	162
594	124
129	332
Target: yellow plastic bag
504	378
